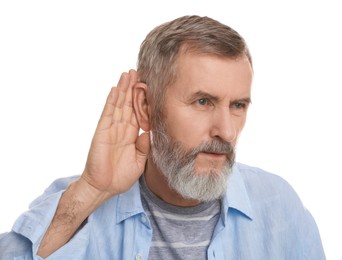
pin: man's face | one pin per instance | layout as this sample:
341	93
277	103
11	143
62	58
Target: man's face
204	112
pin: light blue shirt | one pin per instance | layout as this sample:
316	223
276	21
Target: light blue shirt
261	218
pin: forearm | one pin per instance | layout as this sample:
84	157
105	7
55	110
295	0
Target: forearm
76	204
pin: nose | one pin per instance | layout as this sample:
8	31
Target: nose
223	126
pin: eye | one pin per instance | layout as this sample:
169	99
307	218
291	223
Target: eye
239	105
202	101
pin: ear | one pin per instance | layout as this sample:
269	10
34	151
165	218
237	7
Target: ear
141	106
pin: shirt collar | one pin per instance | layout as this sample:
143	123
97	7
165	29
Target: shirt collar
129	203
236	196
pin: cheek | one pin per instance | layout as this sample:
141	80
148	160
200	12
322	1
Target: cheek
187	128
240	124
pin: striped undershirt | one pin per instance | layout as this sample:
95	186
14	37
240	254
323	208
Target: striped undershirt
179	232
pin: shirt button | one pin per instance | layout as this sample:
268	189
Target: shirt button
143	219
138	257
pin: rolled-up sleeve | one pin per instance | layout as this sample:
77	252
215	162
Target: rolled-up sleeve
28	230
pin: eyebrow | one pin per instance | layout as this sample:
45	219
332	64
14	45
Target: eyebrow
203	94
247	100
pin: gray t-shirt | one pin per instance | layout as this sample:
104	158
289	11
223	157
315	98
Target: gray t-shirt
179	232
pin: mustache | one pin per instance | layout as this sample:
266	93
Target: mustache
214	146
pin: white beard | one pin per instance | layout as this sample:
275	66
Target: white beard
177	165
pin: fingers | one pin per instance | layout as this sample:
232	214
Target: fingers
107	112
119	103
123	110
122	88
128	114
109	106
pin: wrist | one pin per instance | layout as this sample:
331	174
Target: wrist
87	194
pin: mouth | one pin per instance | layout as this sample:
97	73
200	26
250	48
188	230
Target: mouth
215	155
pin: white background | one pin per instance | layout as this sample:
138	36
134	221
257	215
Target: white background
58	60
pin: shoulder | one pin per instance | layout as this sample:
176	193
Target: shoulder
278	210
258	179
268	188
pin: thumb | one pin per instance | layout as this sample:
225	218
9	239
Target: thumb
143	147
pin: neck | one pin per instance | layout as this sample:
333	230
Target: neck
158	184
